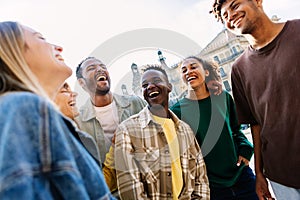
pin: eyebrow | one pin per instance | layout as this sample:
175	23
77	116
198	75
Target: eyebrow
95	64
190	64
230	6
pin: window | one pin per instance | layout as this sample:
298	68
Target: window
227	86
216	58
234	50
222	72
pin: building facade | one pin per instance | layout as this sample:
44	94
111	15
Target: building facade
224	49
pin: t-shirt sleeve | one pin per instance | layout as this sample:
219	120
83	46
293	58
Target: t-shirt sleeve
244	113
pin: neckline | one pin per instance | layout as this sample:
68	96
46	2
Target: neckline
271	44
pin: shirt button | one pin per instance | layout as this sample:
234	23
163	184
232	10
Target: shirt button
169	194
166	151
169	173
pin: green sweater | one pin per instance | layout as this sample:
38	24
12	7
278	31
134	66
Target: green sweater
214	121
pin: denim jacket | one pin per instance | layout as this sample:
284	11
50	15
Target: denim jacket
41	155
126	105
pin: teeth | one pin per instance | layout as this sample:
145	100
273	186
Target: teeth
73	103
59	57
101	78
153	94
191	78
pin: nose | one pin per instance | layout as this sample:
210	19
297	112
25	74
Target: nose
188	70
150	85
100	68
58	48
74	94
231	15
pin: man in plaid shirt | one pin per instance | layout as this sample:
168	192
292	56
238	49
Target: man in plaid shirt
156	154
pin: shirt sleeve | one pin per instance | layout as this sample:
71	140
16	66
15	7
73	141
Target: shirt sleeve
245	116
202	190
109	171
128	173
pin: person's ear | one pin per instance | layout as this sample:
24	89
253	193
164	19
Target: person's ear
258	3
206	73
82	83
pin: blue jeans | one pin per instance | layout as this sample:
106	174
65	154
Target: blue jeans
283	192
243	189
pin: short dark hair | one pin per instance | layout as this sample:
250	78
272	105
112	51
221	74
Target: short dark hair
216	9
78	68
155	67
211	67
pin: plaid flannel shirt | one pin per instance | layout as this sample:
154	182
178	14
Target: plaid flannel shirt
143	162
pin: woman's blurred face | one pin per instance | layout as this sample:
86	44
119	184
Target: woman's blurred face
45	60
193	73
66	101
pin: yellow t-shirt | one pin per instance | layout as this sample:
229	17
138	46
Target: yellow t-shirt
169	129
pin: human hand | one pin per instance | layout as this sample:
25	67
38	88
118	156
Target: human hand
242	159
215	86
113	139
262	189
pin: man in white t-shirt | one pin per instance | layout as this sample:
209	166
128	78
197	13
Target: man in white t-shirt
103	111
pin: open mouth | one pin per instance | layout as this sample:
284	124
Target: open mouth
59	57
237	22
72	103
153	94
191	78
101	78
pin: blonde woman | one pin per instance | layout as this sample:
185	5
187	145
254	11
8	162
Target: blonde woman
41	156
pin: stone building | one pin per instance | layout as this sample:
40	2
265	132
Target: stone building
224	49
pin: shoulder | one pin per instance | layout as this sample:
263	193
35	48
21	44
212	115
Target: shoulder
238	63
27	110
179	104
294	21
130	98
23	101
139	119
176	105
226	94
135	102
19	96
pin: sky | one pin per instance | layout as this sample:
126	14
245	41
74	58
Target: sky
82	27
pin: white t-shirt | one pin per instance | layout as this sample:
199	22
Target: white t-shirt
108	118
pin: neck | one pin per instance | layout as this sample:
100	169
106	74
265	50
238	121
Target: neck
51	92
102	100
264	34
198	93
159	111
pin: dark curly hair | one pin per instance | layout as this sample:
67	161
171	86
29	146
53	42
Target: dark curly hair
155	67
216	9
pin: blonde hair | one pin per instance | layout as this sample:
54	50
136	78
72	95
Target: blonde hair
15	74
